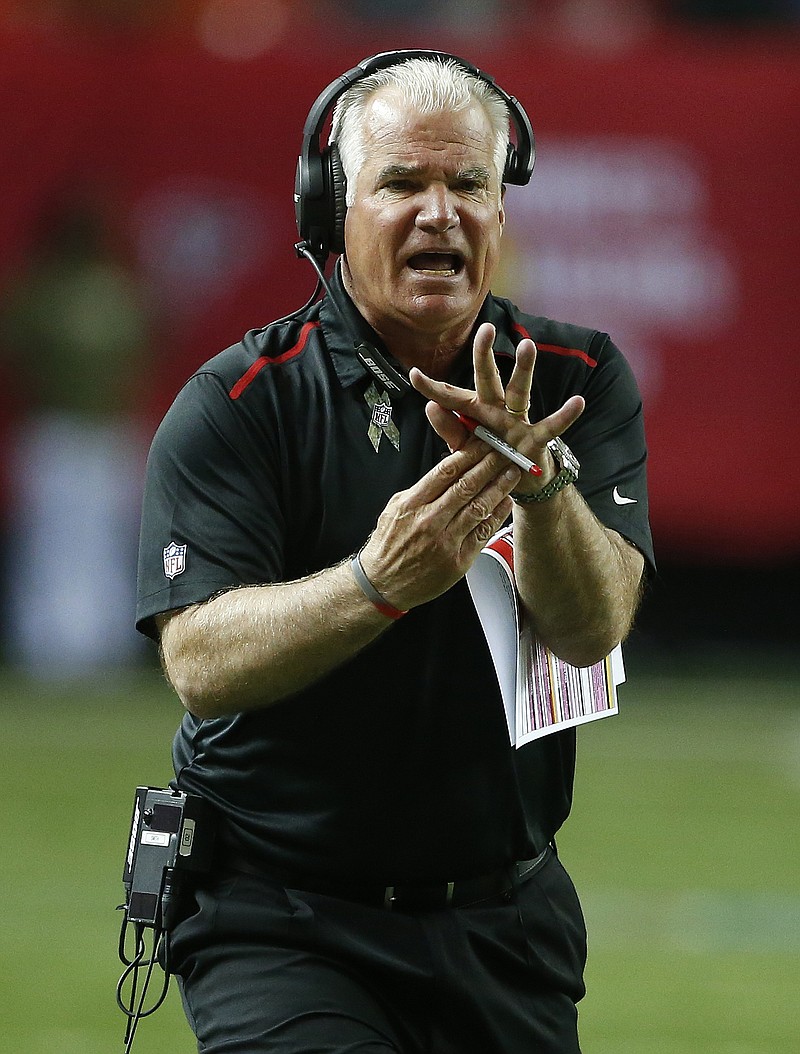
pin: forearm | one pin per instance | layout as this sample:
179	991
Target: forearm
253	646
579	580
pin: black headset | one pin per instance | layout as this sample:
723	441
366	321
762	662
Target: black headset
320	184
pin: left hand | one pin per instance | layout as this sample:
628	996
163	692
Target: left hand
489	405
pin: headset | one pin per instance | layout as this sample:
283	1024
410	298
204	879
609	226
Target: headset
320	184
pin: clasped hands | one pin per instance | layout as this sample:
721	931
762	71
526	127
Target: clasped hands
428	536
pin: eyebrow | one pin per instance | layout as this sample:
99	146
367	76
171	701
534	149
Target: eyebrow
477	172
397	172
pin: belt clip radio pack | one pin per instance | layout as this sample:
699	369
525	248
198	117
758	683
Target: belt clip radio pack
171	839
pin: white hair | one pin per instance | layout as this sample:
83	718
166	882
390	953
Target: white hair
427	86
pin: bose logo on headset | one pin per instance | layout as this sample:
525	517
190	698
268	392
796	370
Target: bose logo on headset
320	185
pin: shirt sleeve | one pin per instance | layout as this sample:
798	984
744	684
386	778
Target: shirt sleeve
609	441
211	515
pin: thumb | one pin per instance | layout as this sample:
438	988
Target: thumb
446	425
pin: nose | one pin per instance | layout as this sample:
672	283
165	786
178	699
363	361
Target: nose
437	211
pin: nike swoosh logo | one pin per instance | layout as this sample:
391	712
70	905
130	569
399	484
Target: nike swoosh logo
620	499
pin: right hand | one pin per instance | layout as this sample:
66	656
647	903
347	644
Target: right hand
428	536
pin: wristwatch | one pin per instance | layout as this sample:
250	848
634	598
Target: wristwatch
568	468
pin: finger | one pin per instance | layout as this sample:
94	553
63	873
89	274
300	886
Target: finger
483	506
488	385
518	390
453	432
490	525
457	478
447	426
448	395
559	422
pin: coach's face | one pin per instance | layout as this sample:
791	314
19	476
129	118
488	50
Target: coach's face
423	234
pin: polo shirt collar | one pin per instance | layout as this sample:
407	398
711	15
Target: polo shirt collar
344	328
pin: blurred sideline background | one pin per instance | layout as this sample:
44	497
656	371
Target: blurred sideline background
148	155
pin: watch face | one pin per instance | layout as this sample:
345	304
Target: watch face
571	462
564	456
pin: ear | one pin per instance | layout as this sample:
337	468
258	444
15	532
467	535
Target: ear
501	212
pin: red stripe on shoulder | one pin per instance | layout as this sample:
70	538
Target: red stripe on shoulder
574	353
556	349
265	360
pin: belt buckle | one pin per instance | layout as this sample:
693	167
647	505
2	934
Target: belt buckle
445	898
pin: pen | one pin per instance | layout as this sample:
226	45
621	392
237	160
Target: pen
499	444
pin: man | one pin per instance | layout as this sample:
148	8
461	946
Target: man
386	876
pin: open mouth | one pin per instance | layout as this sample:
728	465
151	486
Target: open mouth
439	265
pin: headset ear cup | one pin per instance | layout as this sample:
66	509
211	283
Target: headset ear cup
337	192
510	171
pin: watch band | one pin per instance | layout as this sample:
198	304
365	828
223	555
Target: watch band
568	469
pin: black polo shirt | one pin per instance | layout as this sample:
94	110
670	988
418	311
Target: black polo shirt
397	765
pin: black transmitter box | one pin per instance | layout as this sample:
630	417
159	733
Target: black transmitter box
172	835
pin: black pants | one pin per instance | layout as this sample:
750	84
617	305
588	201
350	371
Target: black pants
263	968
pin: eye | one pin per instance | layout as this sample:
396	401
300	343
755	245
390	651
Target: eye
470	185
398	185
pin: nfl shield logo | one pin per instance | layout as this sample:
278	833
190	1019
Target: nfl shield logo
174	559
382	414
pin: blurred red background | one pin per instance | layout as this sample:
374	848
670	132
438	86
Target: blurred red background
664	208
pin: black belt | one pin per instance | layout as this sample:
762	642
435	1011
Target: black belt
406	896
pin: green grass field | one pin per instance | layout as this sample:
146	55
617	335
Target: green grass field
683	843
